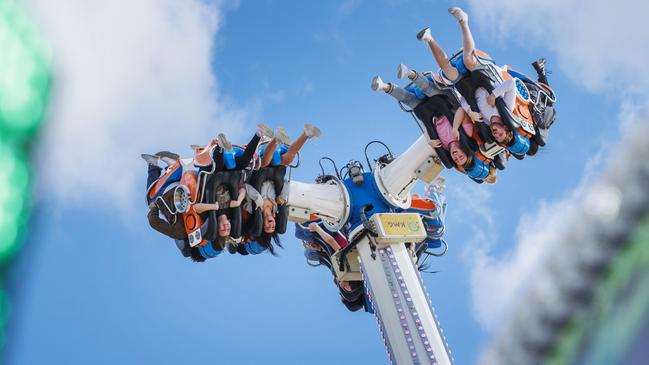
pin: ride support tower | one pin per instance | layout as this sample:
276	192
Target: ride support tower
366	203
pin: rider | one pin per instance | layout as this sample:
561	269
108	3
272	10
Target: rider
467	61
224	201
275	154
351	293
172	225
513	141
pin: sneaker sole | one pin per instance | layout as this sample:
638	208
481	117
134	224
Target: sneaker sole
421	33
167	154
223	142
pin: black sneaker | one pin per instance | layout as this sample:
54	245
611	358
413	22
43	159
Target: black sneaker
534	148
539	65
424	34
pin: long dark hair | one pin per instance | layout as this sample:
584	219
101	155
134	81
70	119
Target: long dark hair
196	255
266	241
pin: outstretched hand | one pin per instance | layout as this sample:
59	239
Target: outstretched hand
491	100
435	143
475	116
313	226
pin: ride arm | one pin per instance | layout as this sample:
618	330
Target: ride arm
158	223
242	195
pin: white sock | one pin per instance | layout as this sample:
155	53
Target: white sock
459	14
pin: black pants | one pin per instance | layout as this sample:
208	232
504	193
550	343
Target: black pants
542	77
241	161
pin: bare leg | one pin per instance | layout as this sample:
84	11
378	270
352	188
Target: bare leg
468	44
268	153
293	149
442	60
439	54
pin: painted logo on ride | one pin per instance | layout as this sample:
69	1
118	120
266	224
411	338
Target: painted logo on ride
401	224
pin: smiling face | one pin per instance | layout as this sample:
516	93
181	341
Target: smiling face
458	156
224	226
499	132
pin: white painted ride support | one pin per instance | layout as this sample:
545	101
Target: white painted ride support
400	302
326	200
397	179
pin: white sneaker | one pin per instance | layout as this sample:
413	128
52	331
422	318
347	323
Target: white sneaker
281	136
263	130
195	147
424	35
459	14
311	131
151	159
377	83
224	143
402	71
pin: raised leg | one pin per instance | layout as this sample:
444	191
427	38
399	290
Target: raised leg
244	160
267	156
293	149
403	95
468	43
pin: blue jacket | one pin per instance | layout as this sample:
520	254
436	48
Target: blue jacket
479	170
254	248
208	251
519	145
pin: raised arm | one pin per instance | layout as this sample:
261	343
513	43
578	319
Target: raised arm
315	227
204	207
242	195
254	195
282	198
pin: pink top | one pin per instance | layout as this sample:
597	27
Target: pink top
445	130
342	241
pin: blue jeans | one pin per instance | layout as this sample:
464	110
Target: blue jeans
153	175
404	96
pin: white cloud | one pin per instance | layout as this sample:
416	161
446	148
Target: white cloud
602	49
598	43
498	282
129	77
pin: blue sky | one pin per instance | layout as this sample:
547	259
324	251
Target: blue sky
96	284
